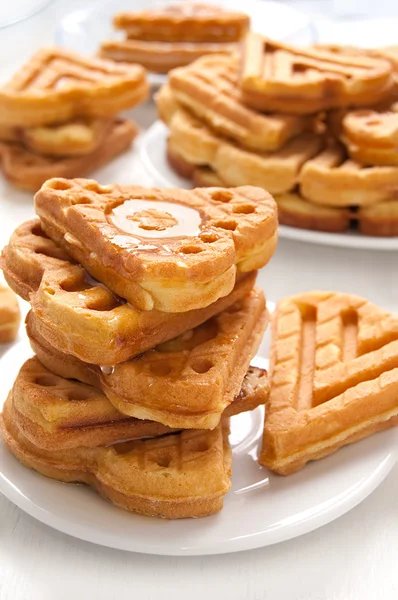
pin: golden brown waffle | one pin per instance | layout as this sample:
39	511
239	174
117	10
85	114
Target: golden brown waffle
185	21
332	180
209	89
78	137
297	212
28	170
277	172
333	377
56	86
371	136
161	57
186	382
10	315
57	413
282	78
171	250
380	219
81	317
175	476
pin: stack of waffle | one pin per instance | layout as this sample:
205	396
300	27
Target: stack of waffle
172	36
58	116
137	371
282	121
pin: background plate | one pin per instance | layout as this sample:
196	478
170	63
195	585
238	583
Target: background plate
261	509
84	30
152	149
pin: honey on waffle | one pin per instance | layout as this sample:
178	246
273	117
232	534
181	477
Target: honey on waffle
333	377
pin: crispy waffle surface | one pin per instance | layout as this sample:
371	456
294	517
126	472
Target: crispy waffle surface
81	317
171	250
333	377
57	85
186	382
28	170
276	76
209	88
55	413
174	476
180	22
10	315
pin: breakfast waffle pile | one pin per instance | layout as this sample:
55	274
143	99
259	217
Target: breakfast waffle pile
58	116
174	35
317	127
144	320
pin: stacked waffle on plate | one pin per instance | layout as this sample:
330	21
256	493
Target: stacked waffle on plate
295	122
172	36
58	116
144	319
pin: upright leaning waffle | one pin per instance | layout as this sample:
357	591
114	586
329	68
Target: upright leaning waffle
29	170
10	315
57	413
277	172
209	88
171	250
57	85
185	21
199	373
81	317
334	377
332	180
175	476
284	78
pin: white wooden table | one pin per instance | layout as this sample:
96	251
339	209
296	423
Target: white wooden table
352	558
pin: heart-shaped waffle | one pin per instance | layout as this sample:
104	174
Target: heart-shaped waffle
186	382
282	78
55	86
171	250
78	315
57	413
333	377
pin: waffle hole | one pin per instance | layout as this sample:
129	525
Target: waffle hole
50	251
38	231
199	446
244	209
97	188
79	395
46	381
59	184
209	238
75	286
222	195
102	304
191	250
161	369
164	461
201	365
81	200
50	291
228	224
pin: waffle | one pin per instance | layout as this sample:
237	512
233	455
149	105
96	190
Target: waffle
371	136
56	86
209	89
175	476
57	413
170	250
332	180
28	170
78	137
379	219
161	57
334	377
282	78
277	172
79	316
200	372
10	315
184	22
297	212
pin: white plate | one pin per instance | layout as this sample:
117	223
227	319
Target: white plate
84	30
152	149
261	509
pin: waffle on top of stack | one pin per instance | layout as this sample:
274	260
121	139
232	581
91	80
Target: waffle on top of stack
171	36
152	357
58	116
292	121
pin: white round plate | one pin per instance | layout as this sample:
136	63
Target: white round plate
152	149
85	29
261	508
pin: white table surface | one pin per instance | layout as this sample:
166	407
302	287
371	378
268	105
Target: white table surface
352	558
